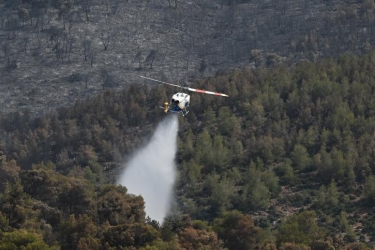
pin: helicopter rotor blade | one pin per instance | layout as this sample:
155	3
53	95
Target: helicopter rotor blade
207	92
187	88
163	82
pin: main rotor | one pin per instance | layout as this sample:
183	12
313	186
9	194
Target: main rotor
187	88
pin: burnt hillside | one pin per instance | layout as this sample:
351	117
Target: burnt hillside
55	52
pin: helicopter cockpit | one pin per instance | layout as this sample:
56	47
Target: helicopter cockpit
179	102
174	105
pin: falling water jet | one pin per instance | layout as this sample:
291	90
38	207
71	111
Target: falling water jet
151	172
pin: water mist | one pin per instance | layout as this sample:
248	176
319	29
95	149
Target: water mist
151	172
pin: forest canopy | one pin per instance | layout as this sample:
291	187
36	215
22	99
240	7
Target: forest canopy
287	161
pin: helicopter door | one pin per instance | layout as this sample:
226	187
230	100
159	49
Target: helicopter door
185	102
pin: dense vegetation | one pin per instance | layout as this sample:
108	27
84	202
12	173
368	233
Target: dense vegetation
287	162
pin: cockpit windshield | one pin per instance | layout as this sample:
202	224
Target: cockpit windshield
174	104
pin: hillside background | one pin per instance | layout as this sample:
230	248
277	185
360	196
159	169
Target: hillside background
55	52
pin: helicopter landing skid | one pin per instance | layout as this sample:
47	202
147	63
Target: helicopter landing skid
184	112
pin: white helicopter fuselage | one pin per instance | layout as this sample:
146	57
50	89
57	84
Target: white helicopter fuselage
181	100
178	104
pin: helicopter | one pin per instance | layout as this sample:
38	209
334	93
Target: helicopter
180	101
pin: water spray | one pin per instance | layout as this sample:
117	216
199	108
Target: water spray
151	172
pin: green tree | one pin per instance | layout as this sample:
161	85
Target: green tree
300	228
115	206
346	227
311	139
37	183
342	117
237	231
21	239
228	123
76	196
286	173
221	154
222	195
209	117
255	113
300	157
9	172
323	162
338	164
271	181
78	231
158	244
255	194
14	205
193	171
191	238
332	197
4	223
203	149
368	193
321	197
293	246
